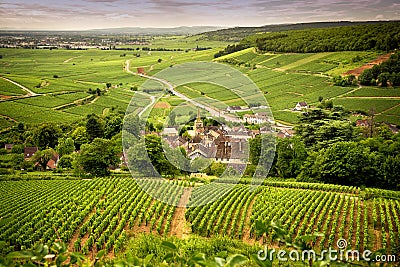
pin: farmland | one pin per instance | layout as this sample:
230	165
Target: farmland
94	215
62	79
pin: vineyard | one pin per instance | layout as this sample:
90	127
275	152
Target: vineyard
284	79
92	215
338	212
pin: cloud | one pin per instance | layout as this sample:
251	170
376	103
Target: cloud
163	13
101	1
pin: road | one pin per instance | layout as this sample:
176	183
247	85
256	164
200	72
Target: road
30	93
153	100
214	112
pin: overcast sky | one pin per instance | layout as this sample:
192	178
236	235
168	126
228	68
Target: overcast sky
94	14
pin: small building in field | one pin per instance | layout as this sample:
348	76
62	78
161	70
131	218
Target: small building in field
141	71
300	106
8	147
30	151
234	109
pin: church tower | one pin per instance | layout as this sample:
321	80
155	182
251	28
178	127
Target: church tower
198	124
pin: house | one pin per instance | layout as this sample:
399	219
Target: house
203	151
233	109
362	123
300	106
51	164
239	133
141	71
29	151
285	133
257	118
266	130
239	151
8	147
392	127
170	131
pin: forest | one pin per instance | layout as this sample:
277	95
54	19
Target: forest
236	34
381	37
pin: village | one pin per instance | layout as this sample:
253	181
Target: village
221	143
218	143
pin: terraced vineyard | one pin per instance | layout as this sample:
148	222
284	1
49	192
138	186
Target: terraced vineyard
287	79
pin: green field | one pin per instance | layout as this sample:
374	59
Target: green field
287	79
9	89
213	92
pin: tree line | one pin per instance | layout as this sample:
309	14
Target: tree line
385	74
328	148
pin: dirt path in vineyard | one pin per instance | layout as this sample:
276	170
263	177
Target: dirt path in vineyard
178	224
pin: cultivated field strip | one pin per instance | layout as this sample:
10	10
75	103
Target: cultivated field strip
88	214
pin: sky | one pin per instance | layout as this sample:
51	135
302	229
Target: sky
97	14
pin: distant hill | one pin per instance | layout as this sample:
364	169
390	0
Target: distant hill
183	30
238	33
133	31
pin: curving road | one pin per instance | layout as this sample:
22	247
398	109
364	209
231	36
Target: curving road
214	112
30	93
153	100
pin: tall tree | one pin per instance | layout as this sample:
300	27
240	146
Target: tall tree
291	154
65	146
43	157
113	125
94	127
47	135
80	137
97	157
